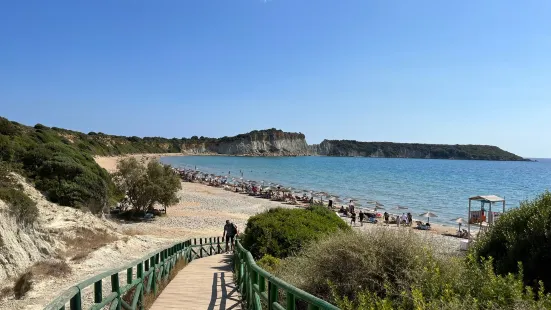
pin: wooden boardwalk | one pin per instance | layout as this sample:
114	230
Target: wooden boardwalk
206	283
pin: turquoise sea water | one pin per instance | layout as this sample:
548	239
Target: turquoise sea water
440	186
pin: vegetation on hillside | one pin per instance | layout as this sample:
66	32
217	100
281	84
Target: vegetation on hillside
65	174
521	235
395	269
417	150
20	205
281	232
145	186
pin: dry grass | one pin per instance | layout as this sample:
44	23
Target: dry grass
23	284
6	292
85	242
51	269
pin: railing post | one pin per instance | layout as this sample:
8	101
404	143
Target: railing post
115	287
210	246
201	247
98	291
76	302
291	302
153	275
139	274
272	295
261	283
218	247
129	274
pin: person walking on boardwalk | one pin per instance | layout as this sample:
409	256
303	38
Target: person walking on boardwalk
230	231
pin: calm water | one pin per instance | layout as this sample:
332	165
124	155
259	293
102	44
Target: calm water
440	186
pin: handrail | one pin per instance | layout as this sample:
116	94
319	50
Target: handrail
252	281
143	276
255	284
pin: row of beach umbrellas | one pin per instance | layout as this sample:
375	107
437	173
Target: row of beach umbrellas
335	198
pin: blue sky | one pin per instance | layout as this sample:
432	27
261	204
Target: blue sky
435	71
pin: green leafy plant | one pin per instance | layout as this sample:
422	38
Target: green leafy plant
391	269
521	235
282	232
145	186
269	263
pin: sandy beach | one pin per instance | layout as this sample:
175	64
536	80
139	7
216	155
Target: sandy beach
203	209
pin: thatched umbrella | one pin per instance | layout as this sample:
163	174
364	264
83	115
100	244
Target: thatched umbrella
460	221
428	215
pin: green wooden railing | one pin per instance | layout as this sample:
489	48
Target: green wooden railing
257	286
143	276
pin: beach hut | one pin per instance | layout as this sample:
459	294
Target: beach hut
480	217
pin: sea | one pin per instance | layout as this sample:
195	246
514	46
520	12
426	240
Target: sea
439	186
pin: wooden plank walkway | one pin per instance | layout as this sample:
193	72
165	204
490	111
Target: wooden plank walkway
206	283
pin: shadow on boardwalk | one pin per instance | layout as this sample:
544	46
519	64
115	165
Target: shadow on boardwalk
206	283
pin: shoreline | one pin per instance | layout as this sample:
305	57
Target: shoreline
109	163
306	155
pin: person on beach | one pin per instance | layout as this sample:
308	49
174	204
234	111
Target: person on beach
230	231
410	218
351	206
398	220
353	218
386	217
404	219
361	218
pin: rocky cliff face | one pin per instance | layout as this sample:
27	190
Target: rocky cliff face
256	143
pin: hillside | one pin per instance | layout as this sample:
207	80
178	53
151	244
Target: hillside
270	142
412	150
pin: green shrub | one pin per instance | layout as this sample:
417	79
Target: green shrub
269	263
391	269
521	235
282	232
20	205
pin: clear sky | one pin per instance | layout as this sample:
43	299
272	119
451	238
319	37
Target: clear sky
474	71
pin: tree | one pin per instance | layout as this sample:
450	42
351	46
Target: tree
166	182
145	186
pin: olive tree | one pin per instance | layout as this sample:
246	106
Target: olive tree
146	185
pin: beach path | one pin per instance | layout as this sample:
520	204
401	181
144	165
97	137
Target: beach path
205	283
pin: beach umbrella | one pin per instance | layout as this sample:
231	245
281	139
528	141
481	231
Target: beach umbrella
460	221
428	215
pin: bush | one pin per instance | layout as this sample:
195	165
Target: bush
521	235
66	176
283	232
390	269
269	263
20	205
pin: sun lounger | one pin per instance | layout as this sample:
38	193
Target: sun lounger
423	226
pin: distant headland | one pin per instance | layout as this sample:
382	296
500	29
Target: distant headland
269	142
